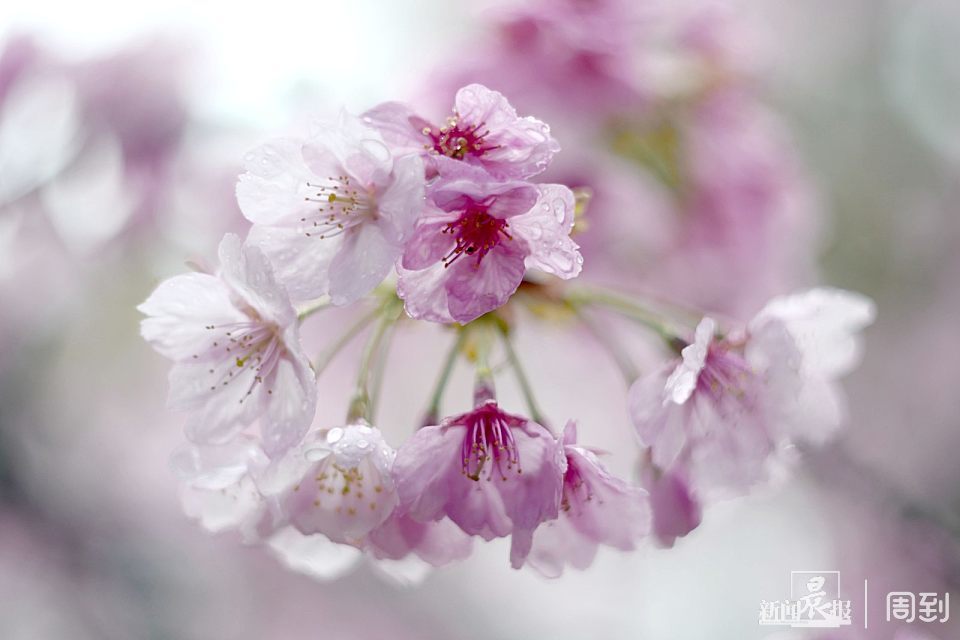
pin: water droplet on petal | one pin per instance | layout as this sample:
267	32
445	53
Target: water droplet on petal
559	210
334	435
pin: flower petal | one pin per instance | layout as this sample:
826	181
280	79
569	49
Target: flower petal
365	258
179	311
274	189
300	262
824	322
246	269
474	289
313	555
292	400
546	229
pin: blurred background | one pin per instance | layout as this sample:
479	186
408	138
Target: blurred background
734	150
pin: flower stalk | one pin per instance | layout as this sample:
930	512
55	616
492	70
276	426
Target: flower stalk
361	406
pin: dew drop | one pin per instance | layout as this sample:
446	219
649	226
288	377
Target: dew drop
559	210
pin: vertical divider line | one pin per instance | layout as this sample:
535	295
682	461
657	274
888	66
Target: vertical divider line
865	621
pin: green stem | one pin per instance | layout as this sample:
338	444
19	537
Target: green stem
324	360
662	325
626	366
317	305
484	387
432	414
360	405
525	388
378	372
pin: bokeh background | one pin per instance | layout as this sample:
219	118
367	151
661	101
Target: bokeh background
735	151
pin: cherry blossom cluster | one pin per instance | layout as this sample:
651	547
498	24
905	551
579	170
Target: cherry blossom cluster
415	220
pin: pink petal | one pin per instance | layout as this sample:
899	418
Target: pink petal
473	290
546	229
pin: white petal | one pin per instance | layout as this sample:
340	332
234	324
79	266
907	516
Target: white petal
291	405
313	555
402	203
180	309
364	260
824	322
219	403
355	146
274	189
215	467
408	572
301	263
237	506
682	382
246	269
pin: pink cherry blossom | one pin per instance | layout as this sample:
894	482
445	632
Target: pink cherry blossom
492	473
596	508
469	253
346	489
712	412
332	212
728	409
484	130
237	358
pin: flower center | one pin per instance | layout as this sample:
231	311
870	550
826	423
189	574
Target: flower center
340	205
457	139
252	346
725	373
576	490
475	233
489	441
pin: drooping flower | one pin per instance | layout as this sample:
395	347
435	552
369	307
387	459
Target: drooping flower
492	473
728	408
596	508
332	212
344	491
233	338
484	131
713	412
469	252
